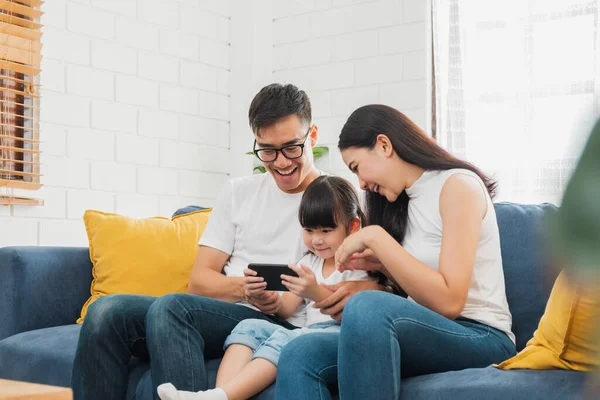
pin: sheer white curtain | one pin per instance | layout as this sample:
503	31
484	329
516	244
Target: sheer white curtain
516	88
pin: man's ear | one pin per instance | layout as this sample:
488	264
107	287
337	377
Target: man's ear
314	134
355	225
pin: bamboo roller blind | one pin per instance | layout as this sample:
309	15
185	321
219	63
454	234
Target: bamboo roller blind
20	58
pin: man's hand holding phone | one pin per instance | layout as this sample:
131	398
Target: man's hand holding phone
268	302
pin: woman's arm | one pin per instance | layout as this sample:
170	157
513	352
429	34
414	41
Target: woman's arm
462	207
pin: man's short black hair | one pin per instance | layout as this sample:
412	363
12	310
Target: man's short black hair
277	101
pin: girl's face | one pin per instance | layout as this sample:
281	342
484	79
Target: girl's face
376	169
324	242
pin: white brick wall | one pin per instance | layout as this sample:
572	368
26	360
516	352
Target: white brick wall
139	95
121	80
348	53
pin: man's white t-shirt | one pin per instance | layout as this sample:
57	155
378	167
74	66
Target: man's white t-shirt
256	222
315	263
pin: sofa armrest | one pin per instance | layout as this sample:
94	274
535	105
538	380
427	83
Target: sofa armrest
41	287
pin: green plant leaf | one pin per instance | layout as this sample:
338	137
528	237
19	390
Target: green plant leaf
320	151
260	168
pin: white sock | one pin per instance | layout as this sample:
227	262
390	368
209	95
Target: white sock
167	391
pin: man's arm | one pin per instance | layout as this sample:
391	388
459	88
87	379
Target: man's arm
335	303
207	280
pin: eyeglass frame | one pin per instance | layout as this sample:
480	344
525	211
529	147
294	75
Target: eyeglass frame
280	149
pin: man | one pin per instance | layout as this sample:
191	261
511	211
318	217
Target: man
254	220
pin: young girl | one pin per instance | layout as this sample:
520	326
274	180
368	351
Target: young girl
329	212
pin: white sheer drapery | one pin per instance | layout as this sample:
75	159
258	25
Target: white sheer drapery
516	88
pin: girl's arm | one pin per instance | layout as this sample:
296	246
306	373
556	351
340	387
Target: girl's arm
289	303
320	293
462	207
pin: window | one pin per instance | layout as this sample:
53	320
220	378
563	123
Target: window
516	88
20	57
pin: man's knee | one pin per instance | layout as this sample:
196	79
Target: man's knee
167	308
107	312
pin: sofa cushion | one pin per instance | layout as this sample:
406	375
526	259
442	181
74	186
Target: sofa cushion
494	384
144	387
42	287
149	256
465	385
566	337
46	356
528	278
40	356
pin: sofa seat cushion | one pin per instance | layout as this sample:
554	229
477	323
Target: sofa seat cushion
144	387
41	356
494	384
468	384
46	356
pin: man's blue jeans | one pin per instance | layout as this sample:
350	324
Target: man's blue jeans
383	338
176	332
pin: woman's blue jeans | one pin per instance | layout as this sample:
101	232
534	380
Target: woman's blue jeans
383	338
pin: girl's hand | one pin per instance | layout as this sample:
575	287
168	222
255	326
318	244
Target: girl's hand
305	285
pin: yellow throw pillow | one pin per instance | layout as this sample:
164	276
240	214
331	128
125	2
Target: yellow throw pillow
150	256
566	337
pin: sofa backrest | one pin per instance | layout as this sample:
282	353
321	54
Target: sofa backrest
528	278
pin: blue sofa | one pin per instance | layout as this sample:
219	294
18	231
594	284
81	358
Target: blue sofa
42	290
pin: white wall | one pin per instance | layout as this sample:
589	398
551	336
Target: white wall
348	53
135	113
145	102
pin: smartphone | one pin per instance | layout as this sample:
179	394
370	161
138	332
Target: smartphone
272	274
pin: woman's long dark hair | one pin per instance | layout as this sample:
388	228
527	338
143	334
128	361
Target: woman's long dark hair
328	202
412	145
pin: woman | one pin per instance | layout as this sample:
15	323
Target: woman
433	231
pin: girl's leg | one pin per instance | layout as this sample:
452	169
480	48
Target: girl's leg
384	337
260	373
245	338
255	377
236	357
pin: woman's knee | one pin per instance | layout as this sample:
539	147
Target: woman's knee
364	304
373	308
314	350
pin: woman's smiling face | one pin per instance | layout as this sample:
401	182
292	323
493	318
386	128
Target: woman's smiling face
375	169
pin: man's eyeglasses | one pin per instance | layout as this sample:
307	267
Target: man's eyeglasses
290	152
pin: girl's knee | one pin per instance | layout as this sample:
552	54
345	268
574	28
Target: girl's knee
253	327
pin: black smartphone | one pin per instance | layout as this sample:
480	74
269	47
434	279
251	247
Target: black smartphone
271	273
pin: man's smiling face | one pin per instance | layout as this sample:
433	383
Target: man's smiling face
291	175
